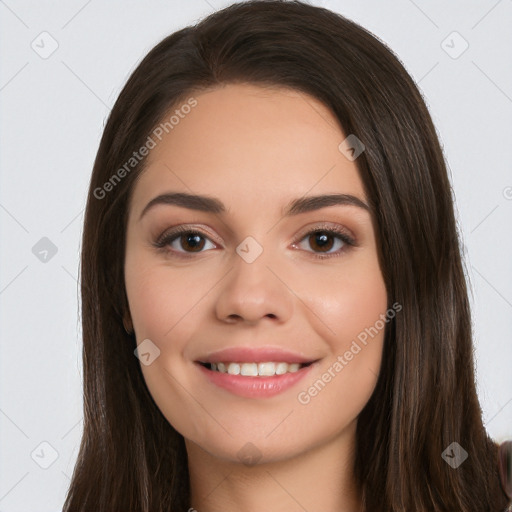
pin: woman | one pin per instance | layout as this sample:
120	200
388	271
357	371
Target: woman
275	314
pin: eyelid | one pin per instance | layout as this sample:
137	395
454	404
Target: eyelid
322	225
186	228
327	226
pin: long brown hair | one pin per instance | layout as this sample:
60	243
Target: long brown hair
131	458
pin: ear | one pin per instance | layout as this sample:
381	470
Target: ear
127	322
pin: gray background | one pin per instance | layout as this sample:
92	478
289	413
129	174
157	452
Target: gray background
53	109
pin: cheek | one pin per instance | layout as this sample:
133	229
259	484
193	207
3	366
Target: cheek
162	311
352	300
158	298
354	307
152	302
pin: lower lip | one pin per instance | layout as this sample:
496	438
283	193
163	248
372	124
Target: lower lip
256	387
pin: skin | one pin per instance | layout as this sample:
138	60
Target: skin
256	149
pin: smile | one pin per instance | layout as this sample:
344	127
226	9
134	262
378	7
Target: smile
267	369
255	380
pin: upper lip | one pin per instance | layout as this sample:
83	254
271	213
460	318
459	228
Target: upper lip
254	355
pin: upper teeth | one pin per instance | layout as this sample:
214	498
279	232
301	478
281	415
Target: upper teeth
256	369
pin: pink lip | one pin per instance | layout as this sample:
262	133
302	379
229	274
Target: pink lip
255	387
254	355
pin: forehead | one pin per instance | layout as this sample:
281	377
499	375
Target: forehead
243	141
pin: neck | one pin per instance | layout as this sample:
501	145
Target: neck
318	479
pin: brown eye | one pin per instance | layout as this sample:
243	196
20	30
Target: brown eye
183	241
322	241
192	240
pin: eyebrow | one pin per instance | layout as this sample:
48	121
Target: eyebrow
214	205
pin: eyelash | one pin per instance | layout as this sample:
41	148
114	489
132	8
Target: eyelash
167	237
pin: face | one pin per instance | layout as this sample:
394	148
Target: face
255	273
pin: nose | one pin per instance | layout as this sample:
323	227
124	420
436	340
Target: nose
253	291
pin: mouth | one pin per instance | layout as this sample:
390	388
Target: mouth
255	380
264	369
